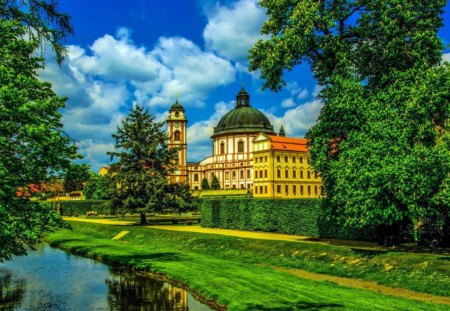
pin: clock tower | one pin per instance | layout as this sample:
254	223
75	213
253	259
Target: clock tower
176	125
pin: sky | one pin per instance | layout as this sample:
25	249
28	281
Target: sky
148	52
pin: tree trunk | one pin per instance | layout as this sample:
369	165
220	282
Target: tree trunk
388	235
143	219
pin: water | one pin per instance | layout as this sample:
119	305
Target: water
50	279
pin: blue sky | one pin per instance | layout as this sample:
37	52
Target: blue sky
148	51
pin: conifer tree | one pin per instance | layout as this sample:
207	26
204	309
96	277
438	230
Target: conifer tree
205	184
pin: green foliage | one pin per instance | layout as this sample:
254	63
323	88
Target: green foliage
292	216
380	143
81	207
144	162
32	144
75	177
98	187
205	184
44	23
215	185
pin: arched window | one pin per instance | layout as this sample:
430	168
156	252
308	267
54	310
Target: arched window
177	136
241	146
222	148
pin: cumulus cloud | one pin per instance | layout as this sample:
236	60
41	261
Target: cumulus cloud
297	91
199	134
106	78
297	121
446	57
232	30
288	103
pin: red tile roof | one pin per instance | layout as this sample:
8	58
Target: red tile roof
288	143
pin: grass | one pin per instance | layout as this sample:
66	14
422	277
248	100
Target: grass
236	272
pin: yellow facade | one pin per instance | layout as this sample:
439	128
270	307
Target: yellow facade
281	170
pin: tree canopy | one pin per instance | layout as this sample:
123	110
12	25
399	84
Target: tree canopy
33	146
76	177
144	164
380	139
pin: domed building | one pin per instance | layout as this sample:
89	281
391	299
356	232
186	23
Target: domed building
233	139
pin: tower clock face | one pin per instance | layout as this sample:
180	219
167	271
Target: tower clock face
177	125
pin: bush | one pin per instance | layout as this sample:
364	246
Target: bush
292	216
71	208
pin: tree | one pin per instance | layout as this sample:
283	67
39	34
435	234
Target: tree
98	187
144	164
75	177
44	23
33	146
205	184
374	60
215	185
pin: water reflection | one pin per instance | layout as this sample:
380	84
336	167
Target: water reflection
11	291
49	279
130	291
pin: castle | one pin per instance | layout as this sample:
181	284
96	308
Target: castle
247	154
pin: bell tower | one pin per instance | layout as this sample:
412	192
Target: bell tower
176	126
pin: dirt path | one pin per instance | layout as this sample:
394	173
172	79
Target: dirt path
349	282
362	284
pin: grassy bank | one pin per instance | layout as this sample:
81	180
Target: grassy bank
236	272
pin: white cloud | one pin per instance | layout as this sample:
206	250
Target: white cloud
232	30
297	91
297	121
446	57
287	103
94	153
199	134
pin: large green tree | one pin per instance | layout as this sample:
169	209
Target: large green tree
378	140
98	187
144	163
76	177
33	146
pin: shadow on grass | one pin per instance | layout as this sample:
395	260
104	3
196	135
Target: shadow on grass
300	305
444	258
368	253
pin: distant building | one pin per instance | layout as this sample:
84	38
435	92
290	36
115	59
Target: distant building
234	154
104	170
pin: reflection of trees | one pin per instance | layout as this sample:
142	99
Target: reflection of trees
11	291
128	290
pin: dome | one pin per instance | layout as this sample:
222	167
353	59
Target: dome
243	119
176	107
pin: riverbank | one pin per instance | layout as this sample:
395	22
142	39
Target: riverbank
245	274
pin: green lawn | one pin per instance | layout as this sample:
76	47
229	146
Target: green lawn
229	270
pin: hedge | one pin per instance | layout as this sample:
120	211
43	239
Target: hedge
71	208
292	216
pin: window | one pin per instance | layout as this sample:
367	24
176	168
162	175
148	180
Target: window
294	189
256	160
301	190
309	190
248	174
265	173
293	159
196	188
278	188
315	190
177	136
301	160
242	186
195	177
316	175
222	148
261	189
242	174
265	189
265	159
294	174
256	189
278	159
286	159
177	114
301	174
278	173
286	189
286	173
227	175
241	146
309	175
234	175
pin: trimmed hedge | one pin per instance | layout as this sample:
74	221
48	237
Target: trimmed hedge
71	208
291	216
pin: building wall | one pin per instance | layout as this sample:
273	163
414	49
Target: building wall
284	174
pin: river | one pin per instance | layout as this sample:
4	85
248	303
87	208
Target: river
49	279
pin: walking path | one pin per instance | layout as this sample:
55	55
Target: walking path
349	282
